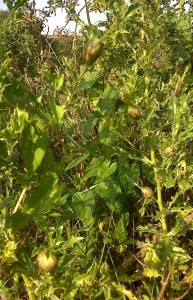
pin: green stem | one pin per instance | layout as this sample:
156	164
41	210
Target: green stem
159	187
146	59
20	199
161	207
28	285
88	16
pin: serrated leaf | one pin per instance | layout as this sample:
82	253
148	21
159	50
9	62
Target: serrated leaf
184	184
149	272
18	120
92	169
79	280
109	93
106	135
89	80
170	183
130	10
84	204
72	240
121	289
105	170
129	175
109	193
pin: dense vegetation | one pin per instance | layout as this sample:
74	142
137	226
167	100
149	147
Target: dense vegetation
96	153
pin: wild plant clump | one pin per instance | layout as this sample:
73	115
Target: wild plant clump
96	161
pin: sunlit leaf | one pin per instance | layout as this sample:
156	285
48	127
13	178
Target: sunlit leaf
151	272
59	81
34	146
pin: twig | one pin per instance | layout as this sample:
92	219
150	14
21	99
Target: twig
87	15
148	290
164	282
185	293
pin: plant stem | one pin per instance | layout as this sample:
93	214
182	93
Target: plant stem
28	285
26	280
20	199
147	57
158	185
159	188
88	16
161	207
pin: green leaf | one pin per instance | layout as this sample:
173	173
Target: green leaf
109	93
17	221
79	280
170	183
13	5
4	67
89	80
17	92
109	193
93	269
121	289
130	10
45	197
77	160
18	120
59	80
106	135
108	150
149	173
38	156
84	204
57	110
72	240
7	202
129	175
88	125
34	146
105	170
124	175
105	105
121	228
49	76
92	169
102	169
184	183
150	272
189	78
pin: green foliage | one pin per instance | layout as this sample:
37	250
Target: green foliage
73	161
